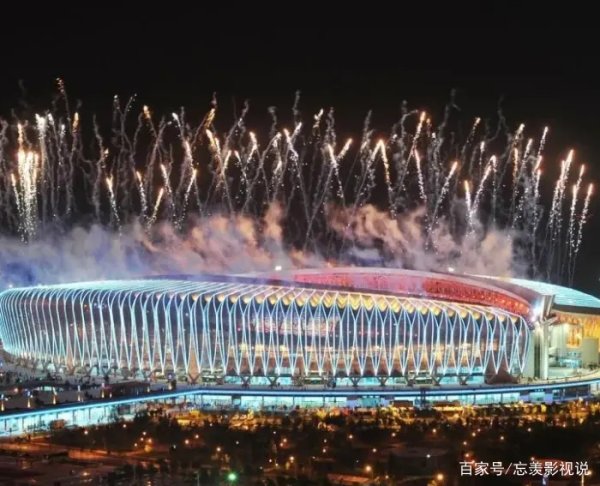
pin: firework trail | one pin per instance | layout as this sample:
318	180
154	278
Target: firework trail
469	205
555	224
25	188
188	190
336	172
166	179
418	131
143	200
582	221
440	199
480	189
542	142
571	229
113	202
386	167
154	216
420	176
18	204
536	198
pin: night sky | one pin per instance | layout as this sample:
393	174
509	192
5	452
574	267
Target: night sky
543	70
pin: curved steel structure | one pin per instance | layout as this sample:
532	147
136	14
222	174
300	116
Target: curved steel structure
272	326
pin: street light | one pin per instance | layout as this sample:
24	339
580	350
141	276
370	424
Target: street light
232	477
439	477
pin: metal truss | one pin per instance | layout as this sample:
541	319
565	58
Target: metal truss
220	328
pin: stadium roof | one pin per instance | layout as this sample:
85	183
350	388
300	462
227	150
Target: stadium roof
565	298
528	298
448	287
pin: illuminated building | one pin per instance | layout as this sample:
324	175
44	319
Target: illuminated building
341	326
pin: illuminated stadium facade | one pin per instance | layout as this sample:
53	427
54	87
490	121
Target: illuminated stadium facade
341	326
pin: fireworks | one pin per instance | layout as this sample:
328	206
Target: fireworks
113	202
152	219
25	190
420	178
480	190
169	169
582	221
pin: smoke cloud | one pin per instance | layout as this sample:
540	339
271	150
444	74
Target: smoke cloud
401	242
240	244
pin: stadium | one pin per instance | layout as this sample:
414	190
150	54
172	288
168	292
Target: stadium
336	327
